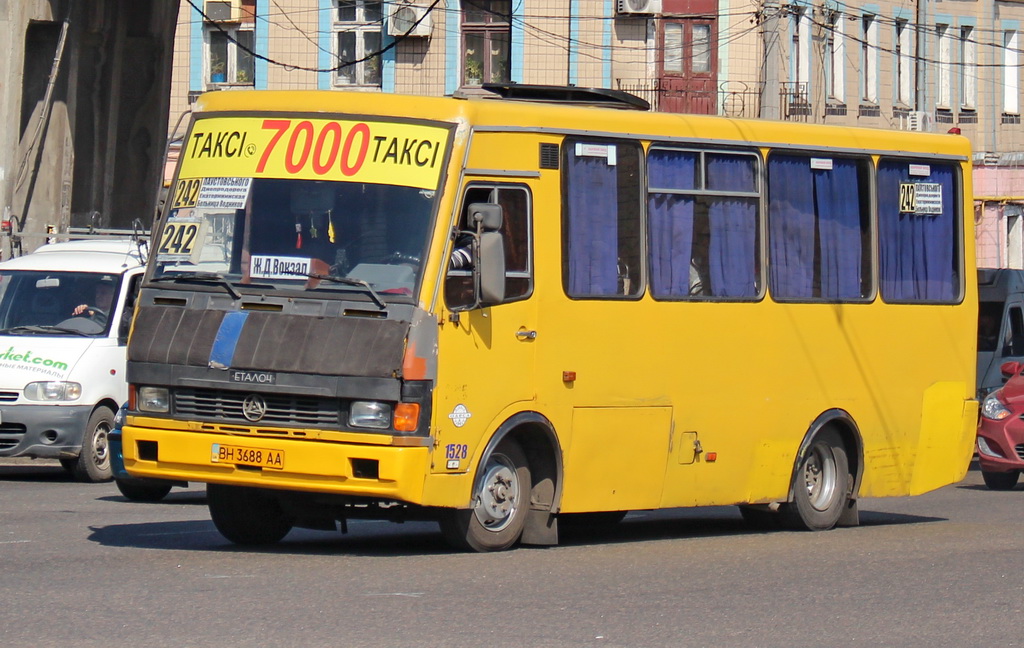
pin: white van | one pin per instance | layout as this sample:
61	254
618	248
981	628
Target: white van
65	311
1000	324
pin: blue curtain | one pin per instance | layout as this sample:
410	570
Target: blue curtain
837	207
805	202
791	227
918	251
733	223
592	221
671	221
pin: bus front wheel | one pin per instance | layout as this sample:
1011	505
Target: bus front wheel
820	486
500	504
246	516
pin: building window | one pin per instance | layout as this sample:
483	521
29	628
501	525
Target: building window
1011	83
486	33
229	48
836	51
357	30
800	52
945	80
869	59
904	63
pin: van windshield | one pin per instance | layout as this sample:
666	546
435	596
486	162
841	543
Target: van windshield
288	230
294	202
36	302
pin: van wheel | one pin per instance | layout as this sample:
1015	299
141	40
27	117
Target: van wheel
93	464
246	516
143	491
820	485
1000	480
500	504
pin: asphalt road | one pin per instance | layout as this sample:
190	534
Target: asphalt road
82	566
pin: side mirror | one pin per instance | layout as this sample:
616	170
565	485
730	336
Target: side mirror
489	269
1010	369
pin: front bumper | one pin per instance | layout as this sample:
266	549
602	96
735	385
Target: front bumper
43	431
378	471
1003	438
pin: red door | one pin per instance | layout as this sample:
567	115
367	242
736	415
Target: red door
688	66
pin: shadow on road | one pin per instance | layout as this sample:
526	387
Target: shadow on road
380	538
28	472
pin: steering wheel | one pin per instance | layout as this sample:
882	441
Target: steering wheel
395	258
93	312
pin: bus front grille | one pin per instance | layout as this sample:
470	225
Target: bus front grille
281	409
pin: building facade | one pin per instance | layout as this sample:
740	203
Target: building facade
930	65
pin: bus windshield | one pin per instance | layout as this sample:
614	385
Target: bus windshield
324	204
290	230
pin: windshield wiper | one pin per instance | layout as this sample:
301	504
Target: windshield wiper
347	281
201	277
42	330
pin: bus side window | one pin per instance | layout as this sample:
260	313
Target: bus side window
515	230
1015	333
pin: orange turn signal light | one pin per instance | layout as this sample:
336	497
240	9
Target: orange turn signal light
407	417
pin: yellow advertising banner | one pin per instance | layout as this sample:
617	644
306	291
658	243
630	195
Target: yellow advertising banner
315	149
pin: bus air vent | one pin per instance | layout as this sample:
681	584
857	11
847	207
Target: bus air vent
548	156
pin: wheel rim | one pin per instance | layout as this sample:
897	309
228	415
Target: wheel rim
498	498
820	477
101	444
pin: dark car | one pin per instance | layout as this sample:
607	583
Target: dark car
134	488
1001	431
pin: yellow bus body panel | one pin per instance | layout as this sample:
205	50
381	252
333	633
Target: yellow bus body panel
660	387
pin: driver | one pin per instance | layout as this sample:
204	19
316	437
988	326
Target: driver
99	308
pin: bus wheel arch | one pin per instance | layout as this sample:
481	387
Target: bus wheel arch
526	438
826	475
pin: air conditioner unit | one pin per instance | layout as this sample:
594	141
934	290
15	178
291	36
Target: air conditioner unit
223	10
917	120
403	15
634	7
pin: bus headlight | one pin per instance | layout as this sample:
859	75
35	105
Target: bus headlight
993	408
56	390
369	414
154	399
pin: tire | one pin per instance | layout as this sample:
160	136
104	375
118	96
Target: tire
1000	480
246	516
820	485
93	464
502	500
143	491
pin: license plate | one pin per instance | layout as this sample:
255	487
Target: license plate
261	457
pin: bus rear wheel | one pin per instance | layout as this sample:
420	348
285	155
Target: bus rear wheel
500	503
820	486
246	516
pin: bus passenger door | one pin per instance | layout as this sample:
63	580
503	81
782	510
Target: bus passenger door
486	354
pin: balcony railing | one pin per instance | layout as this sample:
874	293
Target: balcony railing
731	99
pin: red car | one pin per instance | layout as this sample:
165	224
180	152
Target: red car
1001	431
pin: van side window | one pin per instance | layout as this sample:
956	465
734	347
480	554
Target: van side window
1014	340
990	317
919	238
515	230
703	208
602	206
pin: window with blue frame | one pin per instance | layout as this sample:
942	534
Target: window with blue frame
357	41
819	231
704	225
602	244
919	216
